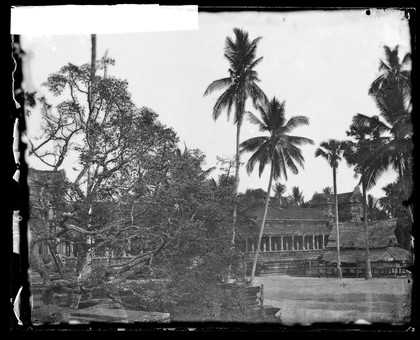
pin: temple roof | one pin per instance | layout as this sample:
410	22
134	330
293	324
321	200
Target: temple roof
352	234
282	221
346	197
375	255
256	211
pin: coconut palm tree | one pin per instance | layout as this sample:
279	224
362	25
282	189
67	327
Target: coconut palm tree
392	145
279	190
331	151
388	147
392	71
278	148
296	198
239	86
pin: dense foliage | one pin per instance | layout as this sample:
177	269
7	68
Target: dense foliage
134	192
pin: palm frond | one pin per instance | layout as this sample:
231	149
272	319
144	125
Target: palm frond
295	153
218	85
255	63
295	122
298	140
383	66
256	94
406	59
259	156
320	152
252	144
240	99
367	123
290	163
255	120
225	100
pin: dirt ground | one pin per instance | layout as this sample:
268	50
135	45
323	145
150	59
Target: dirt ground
305	300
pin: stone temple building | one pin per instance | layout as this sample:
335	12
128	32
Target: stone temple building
292	237
301	240
350	205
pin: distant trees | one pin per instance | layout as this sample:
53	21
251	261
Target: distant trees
279	148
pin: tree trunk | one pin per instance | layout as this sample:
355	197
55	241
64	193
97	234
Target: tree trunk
365	220
339	272
237	166
56	261
267	200
92	69
401	174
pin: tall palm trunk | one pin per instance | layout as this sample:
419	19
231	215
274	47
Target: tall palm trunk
267	200
365	220
339	272
235	193
401	174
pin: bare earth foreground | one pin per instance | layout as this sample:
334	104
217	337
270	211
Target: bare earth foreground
306	300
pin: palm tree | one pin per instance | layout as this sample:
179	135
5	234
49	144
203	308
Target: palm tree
279	148
354	153
296	198
392	94
331	151
239	86
388	147
279	190
392	71
327	191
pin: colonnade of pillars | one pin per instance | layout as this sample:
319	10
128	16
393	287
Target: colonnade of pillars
285	243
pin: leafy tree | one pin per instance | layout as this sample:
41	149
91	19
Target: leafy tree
331	151
240	85
392	202
251	197
133	192
278	148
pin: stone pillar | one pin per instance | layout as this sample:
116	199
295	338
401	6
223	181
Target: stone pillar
313	242
303	243
293	242
246	243
322	245
269	242
281	243
263	244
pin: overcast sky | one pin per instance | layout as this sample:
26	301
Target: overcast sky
320	62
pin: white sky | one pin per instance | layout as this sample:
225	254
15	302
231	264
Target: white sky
321	62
